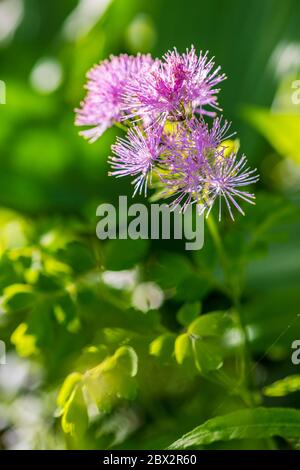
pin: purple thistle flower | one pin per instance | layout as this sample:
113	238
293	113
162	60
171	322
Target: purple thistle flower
175	87
188	149
181	180
188	156
219	131
225	178
103	104
135	156
198	170
196	136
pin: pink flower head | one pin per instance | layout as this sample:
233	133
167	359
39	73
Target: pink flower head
175	87
167	100
225	179
198	169
136	155
196	136
103	104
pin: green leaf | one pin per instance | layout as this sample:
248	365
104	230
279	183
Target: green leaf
113	379
208	355
183	348
126	358
37	333
283	387
75	418
18	296
258	423
24	342
163	346
188	312
67	388
211	324
281	130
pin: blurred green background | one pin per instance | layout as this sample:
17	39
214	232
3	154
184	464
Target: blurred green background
51	182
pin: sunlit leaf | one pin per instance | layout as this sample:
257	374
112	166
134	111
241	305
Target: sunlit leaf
281	130
126	358
25	343
183	348
67	388
163	346
113	379
283	387
211	324
18	296
258	423
75	417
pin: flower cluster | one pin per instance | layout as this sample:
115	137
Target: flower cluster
164	105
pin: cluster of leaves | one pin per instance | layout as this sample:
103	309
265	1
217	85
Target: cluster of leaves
107	356
109	381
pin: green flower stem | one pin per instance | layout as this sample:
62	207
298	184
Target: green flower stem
246	375
246	391
121	126
214	231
